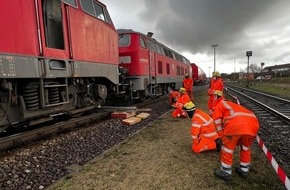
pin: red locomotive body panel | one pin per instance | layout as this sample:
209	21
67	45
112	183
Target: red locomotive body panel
139	63
18	37
92	39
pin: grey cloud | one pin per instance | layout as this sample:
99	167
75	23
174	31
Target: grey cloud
194	25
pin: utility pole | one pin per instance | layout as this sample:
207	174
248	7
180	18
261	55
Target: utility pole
214	56
249	53
234	68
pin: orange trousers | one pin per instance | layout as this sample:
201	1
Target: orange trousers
178	112
210	102
203	144
229	143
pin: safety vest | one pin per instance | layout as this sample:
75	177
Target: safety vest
202	126
233	119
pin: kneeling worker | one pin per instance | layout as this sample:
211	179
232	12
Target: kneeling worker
181	100
203	131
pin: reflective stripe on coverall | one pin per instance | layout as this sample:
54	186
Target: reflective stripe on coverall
202	132
236	126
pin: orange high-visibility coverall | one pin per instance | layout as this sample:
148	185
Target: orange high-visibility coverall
181	100
235	126
173	95
215	85
188	85
203	132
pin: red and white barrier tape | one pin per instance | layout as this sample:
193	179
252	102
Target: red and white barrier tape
282	175
275	165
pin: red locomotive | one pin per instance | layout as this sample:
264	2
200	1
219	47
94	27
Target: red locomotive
60	57
57	57
151	68
198	75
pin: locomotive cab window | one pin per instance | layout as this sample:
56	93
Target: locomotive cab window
151	45
87	6
95	10
53	25
142	42
124	40
99	12
158	49
72	3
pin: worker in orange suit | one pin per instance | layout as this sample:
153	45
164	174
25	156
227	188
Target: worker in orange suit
188	85
235	126
211	80
173	95
218	97
216	84
203	131
178	106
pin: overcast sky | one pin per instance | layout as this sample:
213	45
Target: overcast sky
191	27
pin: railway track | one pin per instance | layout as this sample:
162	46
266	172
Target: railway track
20	138
274	116
103	112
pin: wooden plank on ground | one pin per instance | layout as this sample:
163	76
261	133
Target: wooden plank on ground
143	115
122	115
131	121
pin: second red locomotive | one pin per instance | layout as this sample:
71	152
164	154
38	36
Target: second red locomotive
151	68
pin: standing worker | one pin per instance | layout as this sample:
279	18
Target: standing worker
188	85
235	125
216	84
202	130
181	100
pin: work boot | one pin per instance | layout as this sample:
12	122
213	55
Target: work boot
241	172
223	175
218	144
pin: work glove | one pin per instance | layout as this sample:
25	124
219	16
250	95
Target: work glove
218	143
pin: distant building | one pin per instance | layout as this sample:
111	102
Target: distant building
277	71
243	75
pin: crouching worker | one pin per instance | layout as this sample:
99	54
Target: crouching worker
173	96
203	131
236	126
181	100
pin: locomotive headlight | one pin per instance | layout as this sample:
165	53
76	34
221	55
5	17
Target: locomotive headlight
124	59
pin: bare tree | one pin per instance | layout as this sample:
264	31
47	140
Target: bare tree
255	68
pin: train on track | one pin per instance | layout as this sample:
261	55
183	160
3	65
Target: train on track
63	57
198	75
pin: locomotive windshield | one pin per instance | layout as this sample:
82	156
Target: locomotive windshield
124	40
